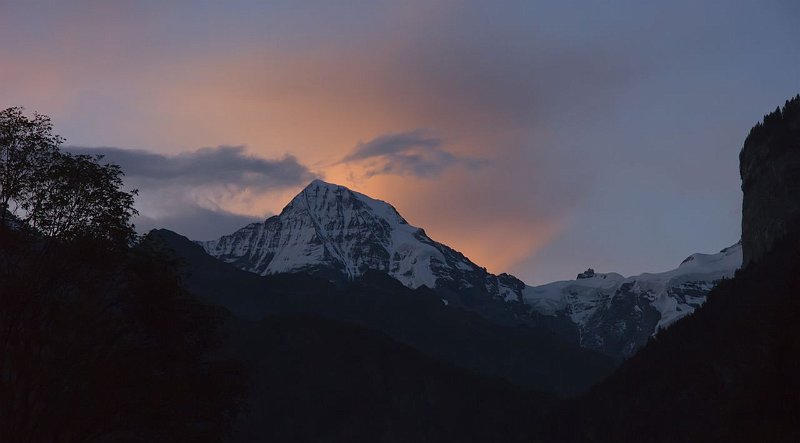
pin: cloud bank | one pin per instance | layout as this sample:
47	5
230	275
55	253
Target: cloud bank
203	193
223	165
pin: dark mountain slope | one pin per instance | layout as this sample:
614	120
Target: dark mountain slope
726	373
102	343
320	380
530	357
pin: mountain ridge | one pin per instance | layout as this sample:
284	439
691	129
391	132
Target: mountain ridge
337	234
523	354
616	314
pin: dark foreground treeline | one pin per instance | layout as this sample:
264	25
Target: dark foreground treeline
104	344
99	340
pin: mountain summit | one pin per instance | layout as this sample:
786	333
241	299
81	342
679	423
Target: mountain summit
331	231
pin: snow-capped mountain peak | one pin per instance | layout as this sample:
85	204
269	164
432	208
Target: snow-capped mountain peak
319	197
332	231
727	259
617	315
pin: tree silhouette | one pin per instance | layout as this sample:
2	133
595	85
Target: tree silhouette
79	197
57	194
99	340
27	147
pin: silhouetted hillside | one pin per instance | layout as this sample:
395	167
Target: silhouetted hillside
314	380
104	344
726	373
532	358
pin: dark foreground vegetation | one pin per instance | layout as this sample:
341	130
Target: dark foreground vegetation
727	373
99	340
104	344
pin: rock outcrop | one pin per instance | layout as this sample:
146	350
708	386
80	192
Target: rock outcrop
769	164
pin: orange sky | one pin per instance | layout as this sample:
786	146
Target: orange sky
319	109
316	104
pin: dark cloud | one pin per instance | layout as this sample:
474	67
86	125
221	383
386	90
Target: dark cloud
407	153
392	144
223	165
196	222
191	192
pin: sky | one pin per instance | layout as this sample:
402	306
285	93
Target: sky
539	138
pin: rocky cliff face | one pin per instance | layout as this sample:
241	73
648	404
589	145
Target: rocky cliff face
769	164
